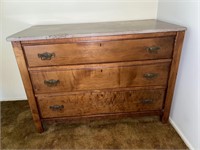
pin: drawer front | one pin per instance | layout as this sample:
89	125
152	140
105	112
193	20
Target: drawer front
64	80
100	103
98	52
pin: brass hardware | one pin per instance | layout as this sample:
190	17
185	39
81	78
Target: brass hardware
146	101
153	49
46	56
51	82
150	75
56	107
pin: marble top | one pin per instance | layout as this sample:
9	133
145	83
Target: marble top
41	32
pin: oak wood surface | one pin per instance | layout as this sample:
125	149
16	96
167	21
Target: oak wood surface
98	38
101	103
172	75
27	85
102	90
100	65
98	52
99	78
75	119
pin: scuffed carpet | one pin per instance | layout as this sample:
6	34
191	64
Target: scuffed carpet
18	132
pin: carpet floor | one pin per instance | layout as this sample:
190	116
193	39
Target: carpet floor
18	132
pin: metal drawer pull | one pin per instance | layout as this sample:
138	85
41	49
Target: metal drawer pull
153	49
46	56
150	75
146	101
56	107
51	82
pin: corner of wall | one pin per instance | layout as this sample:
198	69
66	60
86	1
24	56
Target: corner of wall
180	134
157	8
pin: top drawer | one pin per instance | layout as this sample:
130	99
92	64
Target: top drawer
98	52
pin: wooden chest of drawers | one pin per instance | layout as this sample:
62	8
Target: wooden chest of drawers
99	69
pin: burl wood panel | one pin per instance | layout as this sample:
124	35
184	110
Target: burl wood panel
94	103
92	78
101	51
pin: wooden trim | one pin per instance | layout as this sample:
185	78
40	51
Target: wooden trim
27	84
100	65
172	75
108	116
99	38
102	90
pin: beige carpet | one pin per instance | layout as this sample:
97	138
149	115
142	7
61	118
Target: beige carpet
18	132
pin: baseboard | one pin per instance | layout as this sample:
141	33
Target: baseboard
181	134
12	99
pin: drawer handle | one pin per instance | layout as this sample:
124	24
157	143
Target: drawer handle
51	82
150	75
56	107
46	56
153	49
146	101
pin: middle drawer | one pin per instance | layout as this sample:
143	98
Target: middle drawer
92	77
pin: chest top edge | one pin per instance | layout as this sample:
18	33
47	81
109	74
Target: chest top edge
81	30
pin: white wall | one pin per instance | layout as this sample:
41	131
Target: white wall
1	49
18	15
185	109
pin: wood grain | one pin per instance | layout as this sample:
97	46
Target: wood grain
98	52
99	38
172	75
103	90
101	103
27	84
78	119
99	78
101	65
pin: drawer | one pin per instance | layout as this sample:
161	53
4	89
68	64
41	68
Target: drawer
98	52
100	103
92	77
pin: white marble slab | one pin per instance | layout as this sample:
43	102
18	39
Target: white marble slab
41	32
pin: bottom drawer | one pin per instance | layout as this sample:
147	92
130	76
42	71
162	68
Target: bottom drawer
93	103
